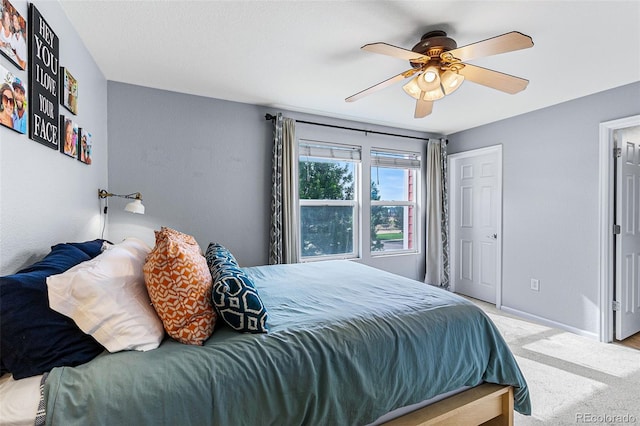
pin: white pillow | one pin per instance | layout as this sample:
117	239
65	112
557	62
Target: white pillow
107	298
19	399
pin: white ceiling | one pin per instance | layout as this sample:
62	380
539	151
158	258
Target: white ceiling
305	55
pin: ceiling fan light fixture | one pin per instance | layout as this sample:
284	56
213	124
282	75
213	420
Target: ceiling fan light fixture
412	88
429	79
451	81
433	95
437	62
430	76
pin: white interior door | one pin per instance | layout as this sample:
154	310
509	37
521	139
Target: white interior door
475	216
627	316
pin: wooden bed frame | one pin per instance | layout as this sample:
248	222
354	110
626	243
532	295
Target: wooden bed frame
485	404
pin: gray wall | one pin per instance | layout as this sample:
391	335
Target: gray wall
45	196
550	203
200	164
203	167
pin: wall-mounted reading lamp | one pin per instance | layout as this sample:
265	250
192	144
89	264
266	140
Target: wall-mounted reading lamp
134	206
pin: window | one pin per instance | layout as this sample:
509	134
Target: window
394	211
328	188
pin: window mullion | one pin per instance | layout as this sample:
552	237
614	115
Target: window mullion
392	203
321	203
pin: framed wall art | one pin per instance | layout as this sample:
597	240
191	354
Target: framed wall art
13	35
69	86
44	48
13	105
84	151
69	137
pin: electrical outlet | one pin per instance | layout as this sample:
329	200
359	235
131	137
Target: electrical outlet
535	284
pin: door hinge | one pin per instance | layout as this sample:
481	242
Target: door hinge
616	305
617	152
616	230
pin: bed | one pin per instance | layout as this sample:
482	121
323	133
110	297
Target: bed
347	344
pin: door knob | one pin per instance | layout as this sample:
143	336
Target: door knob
493	236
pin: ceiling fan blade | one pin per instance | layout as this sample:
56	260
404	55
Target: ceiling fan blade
423	108
504	43
396	52
382	85
494	79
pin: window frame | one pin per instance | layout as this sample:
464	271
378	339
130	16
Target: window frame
355	204
417	173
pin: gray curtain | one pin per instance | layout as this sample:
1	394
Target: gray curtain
437	206
283	244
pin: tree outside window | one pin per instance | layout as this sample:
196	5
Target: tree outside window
328	190
328	207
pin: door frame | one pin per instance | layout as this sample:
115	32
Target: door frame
453	202
606	243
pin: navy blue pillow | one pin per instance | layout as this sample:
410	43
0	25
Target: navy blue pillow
34	338
237	301
92	248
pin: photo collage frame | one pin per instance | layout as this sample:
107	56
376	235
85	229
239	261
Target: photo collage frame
33	105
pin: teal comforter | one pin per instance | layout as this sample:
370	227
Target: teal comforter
347	344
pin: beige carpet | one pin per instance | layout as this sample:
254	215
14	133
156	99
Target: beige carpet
572	379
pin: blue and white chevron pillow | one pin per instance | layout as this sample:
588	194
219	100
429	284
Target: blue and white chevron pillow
234	294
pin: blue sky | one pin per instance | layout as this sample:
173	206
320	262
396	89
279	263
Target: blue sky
391	183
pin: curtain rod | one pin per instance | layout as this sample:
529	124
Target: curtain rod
273	117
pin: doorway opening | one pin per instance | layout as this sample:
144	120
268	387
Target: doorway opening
611	304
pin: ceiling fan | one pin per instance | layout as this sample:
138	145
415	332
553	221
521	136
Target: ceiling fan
439	67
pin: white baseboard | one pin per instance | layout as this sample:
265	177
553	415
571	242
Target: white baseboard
550	323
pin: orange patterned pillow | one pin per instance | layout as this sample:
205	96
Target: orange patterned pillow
179	285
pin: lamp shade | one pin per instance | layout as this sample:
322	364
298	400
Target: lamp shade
451	81
429	79
135	206
433	95
425	86
412	88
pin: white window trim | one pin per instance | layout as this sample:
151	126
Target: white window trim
356	203
322	203
414	164
393	203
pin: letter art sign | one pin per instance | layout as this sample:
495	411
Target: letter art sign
43	77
